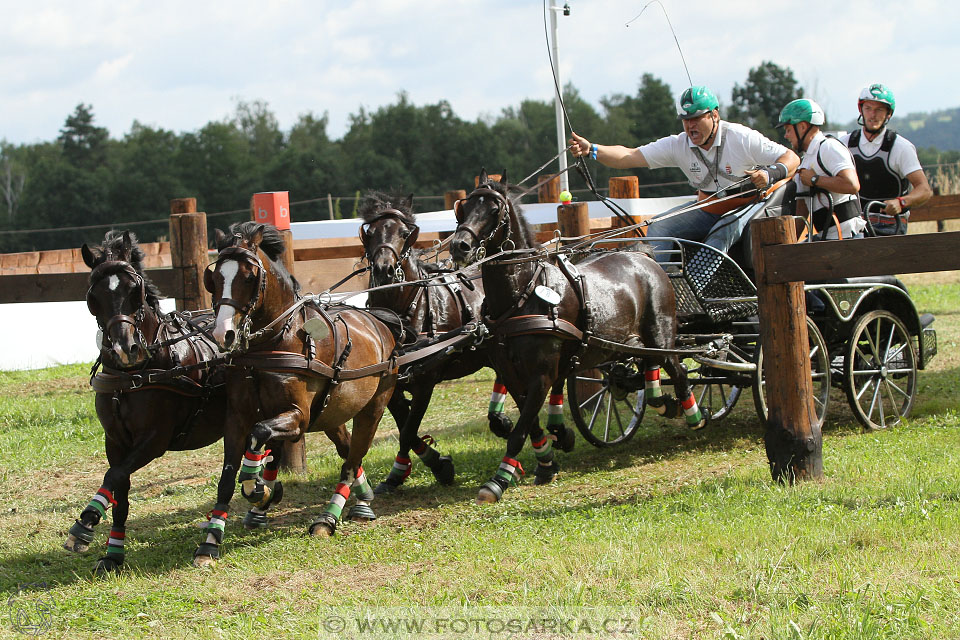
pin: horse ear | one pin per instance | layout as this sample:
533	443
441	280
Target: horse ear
208	283
408	203
89	257
257	236
127	246
483	176
503	177
220	238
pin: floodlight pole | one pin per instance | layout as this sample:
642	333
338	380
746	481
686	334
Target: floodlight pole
558	107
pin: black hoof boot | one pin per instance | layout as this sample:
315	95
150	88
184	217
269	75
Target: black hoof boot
257	520
665	405
206	554
80	538
545	473
566	438
443	470
324	526
491	491
106	565
361	512
500	424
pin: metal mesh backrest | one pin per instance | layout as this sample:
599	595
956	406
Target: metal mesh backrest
718	283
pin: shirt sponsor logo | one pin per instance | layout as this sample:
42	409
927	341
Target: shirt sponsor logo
695	167
729	170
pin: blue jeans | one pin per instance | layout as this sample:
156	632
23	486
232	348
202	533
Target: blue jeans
718	232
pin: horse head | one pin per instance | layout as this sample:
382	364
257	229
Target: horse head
388	233
121	298
244	281
483	218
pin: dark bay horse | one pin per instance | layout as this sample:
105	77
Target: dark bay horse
297	367
154	392
389	233
547	313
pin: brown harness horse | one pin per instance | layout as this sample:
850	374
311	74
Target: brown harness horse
428	312
297	366
158	389
550	317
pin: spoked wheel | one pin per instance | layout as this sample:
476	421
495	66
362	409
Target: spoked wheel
607	402
819	371
880	370
716	395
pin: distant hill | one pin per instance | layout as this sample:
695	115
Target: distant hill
940	129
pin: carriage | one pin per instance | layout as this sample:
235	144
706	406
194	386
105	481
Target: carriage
866	338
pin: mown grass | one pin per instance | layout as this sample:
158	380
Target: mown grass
682	533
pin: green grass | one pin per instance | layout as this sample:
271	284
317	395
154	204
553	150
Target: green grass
680	534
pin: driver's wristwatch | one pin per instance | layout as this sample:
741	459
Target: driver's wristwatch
814	180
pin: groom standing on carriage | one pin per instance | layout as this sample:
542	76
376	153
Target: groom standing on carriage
719	159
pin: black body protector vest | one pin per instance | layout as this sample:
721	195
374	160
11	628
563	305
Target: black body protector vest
877	180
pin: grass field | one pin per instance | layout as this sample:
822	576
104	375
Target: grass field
677	534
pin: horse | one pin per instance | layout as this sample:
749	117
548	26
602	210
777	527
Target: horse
296	366
389	233
159	388
551	317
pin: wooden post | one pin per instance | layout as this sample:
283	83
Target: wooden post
573	219
548	188
450	197
188	252
625	187
294	452
793	440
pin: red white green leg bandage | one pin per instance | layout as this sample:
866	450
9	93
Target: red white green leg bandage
340	495
102	501
115	544
651	384
497	398
692	413
361	489
555	410
543	449
427	454
252	464
216	522
399	472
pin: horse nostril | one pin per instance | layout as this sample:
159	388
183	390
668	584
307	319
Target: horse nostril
460	247
229	337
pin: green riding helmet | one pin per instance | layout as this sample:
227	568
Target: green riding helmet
696	101
801	110
878	93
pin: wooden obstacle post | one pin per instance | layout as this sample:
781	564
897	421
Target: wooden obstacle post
188	252
793	439
274	208
450	197
573	219
548	188
624	187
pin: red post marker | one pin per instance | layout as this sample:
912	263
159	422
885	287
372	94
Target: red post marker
272	207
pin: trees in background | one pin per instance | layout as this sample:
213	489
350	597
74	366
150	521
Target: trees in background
84	178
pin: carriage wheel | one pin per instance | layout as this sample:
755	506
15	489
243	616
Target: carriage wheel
819	372
880	370
606	411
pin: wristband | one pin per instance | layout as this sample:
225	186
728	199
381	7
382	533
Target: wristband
776	172
903	203
593	151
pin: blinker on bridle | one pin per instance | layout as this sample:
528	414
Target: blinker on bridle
240	254
502	216
404	253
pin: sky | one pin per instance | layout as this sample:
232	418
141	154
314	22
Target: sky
177	65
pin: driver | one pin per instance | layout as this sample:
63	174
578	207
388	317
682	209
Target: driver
826	184
887	164
714	155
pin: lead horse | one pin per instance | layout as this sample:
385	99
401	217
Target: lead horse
297	366
551	317
158	390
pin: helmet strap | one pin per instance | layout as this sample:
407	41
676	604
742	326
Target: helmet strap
713	132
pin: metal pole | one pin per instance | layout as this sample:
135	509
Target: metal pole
558	108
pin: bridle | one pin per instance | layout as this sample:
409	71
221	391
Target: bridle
399	256
503	219
239	254
106	269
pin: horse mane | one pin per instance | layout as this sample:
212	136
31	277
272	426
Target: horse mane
375	202
111	250
271	243
523	227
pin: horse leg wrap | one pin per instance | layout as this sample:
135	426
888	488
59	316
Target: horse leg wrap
507	474
564	437
361	489
256	517
102	501
500	424
692	413
252	465
335	507
114	558
216	521
398	474
546	465
82	532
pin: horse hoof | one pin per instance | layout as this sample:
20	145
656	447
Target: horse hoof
566	439
485	496
545	474
361	513
203	562
75	544
500	424
443	471
254	520
384	488
322	530
106	566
